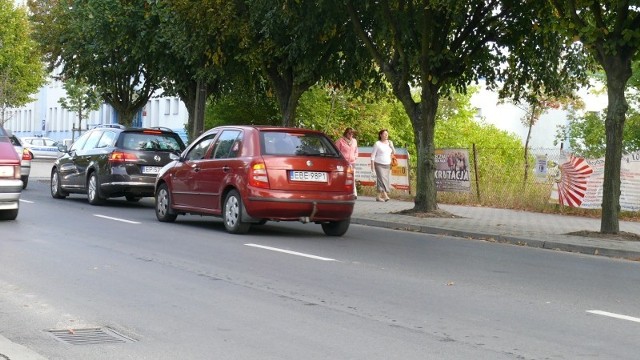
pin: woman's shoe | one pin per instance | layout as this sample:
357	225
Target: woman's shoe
379	199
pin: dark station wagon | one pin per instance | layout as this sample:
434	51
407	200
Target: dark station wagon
113	161
252	174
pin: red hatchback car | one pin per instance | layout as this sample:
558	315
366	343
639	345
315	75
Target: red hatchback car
253	174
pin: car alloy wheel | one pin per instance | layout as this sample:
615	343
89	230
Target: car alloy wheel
164	212
93	191
56	188
232	214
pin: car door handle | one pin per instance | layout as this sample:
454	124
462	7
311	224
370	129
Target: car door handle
196	169
226	168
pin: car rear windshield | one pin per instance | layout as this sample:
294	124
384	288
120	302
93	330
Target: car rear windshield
151	141
296	144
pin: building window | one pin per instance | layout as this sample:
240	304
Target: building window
167	106
176	106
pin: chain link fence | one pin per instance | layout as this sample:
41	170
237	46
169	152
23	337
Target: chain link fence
503	178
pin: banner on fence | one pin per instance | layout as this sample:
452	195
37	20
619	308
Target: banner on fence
578	182
399	174
452	170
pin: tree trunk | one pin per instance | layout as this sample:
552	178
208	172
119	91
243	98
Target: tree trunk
618	70
424	123
199	107
526	153
287	92
188	96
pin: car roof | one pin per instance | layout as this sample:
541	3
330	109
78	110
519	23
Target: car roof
268	128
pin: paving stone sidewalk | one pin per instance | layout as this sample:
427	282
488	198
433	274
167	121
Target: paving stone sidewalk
547	231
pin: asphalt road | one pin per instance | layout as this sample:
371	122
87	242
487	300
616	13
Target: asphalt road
285	291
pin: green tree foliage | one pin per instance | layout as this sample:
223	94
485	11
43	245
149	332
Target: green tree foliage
610	31
239	107
81	99
296	44
201	54
439	45
586	133
108	43
21	69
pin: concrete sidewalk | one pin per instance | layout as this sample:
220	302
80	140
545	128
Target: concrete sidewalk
548	231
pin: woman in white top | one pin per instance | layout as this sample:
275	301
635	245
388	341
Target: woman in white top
381	164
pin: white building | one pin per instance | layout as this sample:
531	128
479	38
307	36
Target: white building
507	116
45	117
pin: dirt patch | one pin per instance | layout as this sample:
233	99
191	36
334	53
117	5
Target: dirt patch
428	214
622	235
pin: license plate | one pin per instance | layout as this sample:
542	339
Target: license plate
313	176
6	171
151	169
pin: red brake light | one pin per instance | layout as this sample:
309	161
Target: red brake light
121	156
349	183
258	175
26	155
155	132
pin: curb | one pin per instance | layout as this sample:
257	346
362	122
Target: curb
512	240
12	351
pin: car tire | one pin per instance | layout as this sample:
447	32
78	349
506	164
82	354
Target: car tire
164	213
9	214
56	188
336	228
232	214
25	181
93	190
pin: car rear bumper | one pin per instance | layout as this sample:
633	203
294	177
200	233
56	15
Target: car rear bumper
10	194
25	170
327	208
137	188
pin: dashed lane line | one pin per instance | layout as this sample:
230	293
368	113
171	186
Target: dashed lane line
116	219
614	315
291	252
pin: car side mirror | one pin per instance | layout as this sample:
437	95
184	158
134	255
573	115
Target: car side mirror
63	148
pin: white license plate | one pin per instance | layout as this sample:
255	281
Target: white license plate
313	176
6	171
151	169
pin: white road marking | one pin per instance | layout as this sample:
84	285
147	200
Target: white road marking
26	201
613	315
291	252
116	219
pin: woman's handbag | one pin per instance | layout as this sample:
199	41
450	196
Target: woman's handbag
394	160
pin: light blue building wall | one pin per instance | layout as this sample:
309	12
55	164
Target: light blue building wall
45	117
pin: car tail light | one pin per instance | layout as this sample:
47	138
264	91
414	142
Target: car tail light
121	156
155	132
349	181
26	155
258	175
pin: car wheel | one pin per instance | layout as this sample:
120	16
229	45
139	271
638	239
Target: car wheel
164	212
56	188
336	228
9	214
232	214
131	198
25	181
93	190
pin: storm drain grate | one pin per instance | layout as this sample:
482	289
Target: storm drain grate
90	336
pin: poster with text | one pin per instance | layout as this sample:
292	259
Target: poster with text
452	170
399	177
578	182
